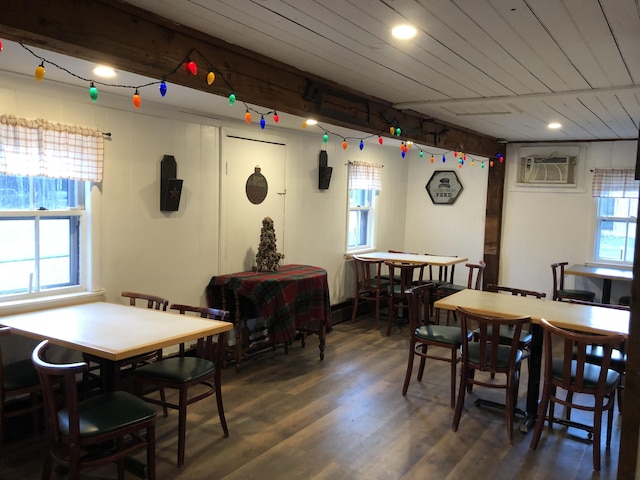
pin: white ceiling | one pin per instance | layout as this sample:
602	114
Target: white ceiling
504	68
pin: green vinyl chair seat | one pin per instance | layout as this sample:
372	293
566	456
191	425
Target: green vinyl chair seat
591	374
107	413
177	369
440	333
20	374
579	294
503	355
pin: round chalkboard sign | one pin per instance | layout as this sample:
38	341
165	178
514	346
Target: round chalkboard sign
256	187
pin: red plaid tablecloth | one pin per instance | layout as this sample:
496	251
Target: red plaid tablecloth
286	299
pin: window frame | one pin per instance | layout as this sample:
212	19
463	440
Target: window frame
81	214
371	221
601	218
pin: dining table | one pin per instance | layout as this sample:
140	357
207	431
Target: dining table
603	272
415	258
573	316
111	331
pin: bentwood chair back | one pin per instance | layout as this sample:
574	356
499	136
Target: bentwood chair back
425	337
507	333
489	355
474	280
101	430
560	293
401	277
566	368
184	372
125	368
20	390
369	285
618	355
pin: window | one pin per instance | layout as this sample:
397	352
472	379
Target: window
364	185
45	171
39	234
616	191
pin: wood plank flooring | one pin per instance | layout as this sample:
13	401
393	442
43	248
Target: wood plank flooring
295	417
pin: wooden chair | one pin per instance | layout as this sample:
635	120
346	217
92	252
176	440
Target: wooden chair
400	281
425	335
19	382
182	372
567	368
124	368
561	293
507	333
489	355
618	355
101	430
369	285
474	280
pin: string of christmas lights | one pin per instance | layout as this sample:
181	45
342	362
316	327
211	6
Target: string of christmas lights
191	68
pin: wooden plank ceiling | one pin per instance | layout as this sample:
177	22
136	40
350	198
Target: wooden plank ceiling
477	72
504	68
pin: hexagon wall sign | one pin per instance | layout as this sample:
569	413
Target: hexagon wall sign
444	187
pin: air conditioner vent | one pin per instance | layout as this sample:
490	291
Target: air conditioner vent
547	171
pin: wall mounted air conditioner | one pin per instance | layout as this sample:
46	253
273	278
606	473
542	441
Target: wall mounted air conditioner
547	171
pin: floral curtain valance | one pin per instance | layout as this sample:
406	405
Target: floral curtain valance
615	183
34	148
365	176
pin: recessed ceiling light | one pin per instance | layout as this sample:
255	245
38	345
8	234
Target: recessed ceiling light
403	32
554	125
311	121
104	71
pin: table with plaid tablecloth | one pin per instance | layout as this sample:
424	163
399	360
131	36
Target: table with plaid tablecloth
295	298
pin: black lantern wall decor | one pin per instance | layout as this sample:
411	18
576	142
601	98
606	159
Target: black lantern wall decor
170	186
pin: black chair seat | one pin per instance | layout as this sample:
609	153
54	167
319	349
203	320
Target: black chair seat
440	333
591	374
107	413
20	374
503	355
177	369
595	354
579	294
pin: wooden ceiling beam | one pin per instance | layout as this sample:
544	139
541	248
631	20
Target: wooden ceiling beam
140	42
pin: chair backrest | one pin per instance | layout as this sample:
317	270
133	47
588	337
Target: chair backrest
367	273
401	275
419	298
573	354
153	301
52	376
558	276
476	270
515	291
489	352
445	272
204	346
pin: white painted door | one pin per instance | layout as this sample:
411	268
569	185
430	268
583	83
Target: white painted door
242	219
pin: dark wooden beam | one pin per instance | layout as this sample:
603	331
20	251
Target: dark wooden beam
493	219
140	42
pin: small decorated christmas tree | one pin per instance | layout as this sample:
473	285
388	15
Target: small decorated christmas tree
267	258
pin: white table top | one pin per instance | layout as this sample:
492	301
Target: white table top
596	271
415	258
112	331
586	318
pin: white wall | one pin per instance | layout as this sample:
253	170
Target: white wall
543	226
175	254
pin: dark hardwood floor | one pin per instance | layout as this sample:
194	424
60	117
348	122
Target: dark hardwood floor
295	417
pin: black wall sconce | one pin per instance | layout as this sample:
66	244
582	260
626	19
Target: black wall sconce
324	175
170	186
